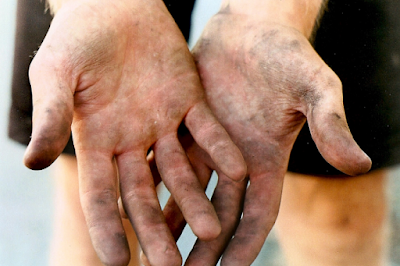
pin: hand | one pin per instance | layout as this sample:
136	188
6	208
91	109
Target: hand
203	167
262	81
120	72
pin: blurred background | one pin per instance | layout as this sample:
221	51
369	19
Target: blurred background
26	196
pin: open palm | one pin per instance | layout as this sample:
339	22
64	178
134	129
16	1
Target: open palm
122	75
262	82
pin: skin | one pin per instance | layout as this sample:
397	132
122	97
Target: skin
71	243
335	221
121	74
263	80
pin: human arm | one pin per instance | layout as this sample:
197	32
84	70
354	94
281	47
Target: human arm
263	79
302	15
120	72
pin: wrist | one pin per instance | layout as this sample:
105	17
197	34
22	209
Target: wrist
54	5
299	14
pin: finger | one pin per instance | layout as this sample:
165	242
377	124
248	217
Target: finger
181	181
173	215
141	204
259	214
98	191
330	132
52	114
228	202
213	138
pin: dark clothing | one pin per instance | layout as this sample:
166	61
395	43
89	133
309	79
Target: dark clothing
181	11
359	40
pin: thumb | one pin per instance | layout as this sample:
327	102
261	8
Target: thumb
331	133
52	115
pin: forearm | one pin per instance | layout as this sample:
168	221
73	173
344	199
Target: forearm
300	14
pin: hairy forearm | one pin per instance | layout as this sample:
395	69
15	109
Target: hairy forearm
300	14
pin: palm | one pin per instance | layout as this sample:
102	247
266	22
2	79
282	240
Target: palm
145	69
126	81
262	81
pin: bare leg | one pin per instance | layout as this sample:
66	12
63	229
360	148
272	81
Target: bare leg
71	244
334	221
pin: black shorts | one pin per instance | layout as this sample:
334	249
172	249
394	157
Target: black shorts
359	40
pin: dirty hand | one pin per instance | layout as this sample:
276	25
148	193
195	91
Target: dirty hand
120	72
262	81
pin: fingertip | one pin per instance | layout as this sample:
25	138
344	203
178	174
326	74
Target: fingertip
350	160
203	221
116	253
208	231
342	152
35	164
230	161
336	144
50	134
37	157
110	244
120	260
45	146
361	164
236	169
365	164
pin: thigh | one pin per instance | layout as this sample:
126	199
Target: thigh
334	220
338	195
